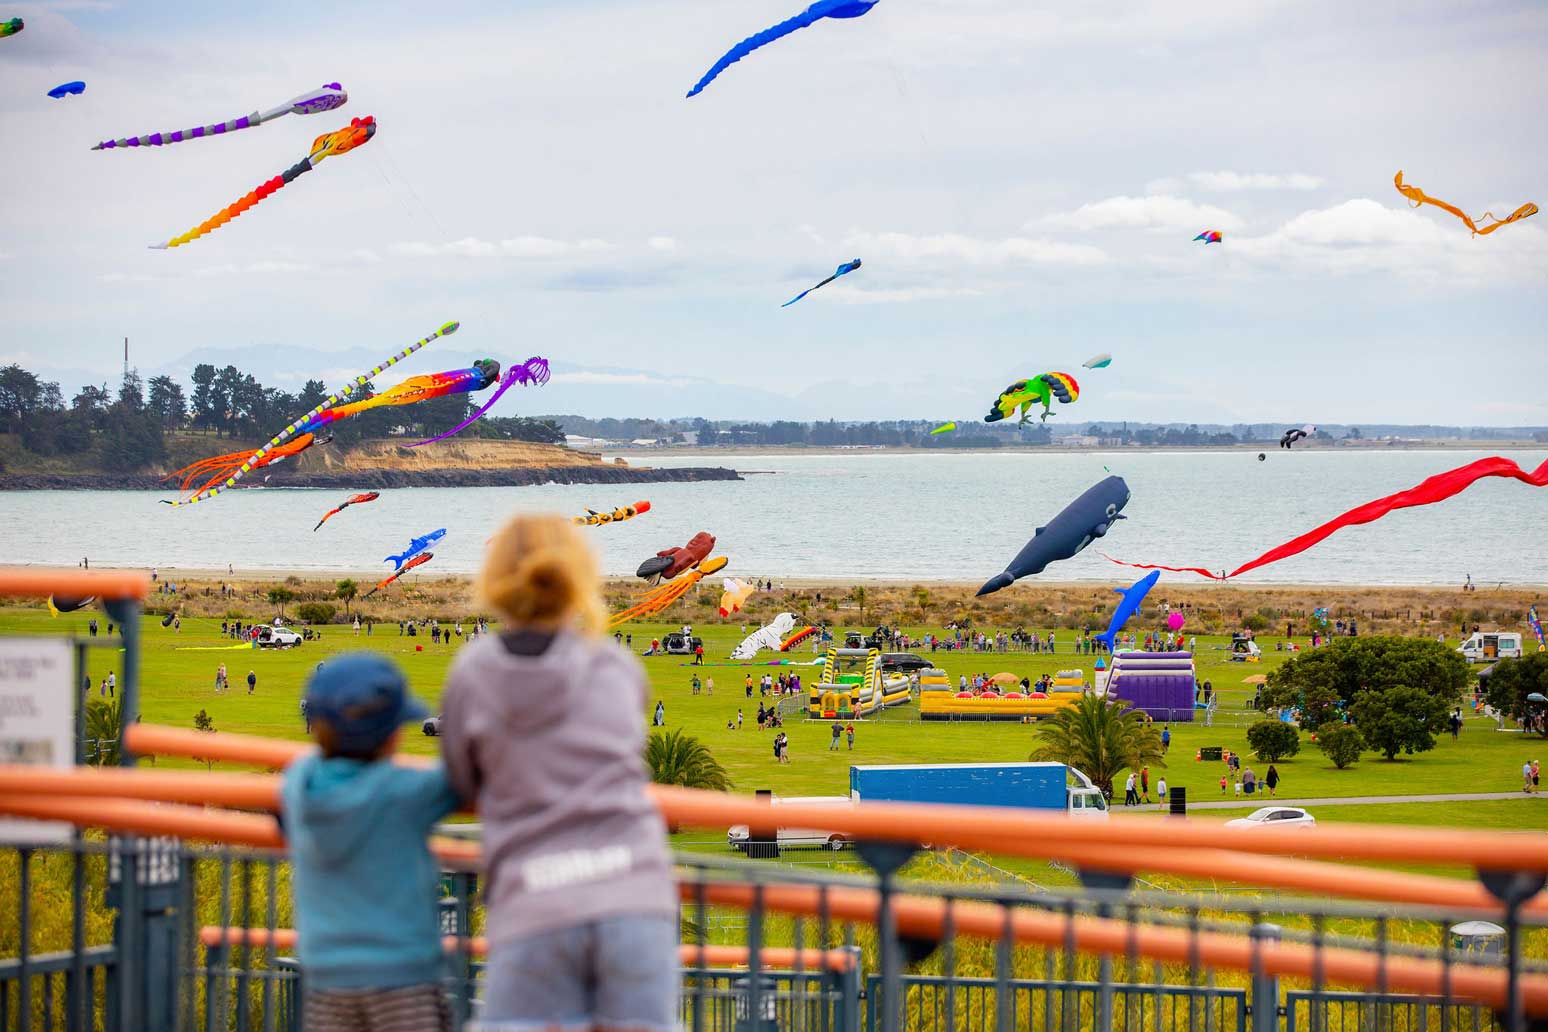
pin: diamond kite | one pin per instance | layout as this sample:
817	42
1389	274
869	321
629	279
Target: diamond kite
813	14
324	98
1417	197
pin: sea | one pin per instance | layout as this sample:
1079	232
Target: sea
854	516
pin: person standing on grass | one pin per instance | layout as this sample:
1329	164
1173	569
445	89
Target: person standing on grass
1526	776
252	681
1166	738
833	743
1249	781
739	720
849	731
1130	797
660	718
1271	779
1161	789
709	686
1144	784
695	684
1456	723
112	684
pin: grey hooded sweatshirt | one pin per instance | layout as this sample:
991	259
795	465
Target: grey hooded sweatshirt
549	748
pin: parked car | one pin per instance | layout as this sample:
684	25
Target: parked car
903	663
679	644
432	726
1275	817
736	835
270	637
1489	646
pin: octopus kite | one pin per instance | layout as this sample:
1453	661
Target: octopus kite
208	472
843	270
660	598
599	519
418	560
359	499
1025	393
1436	489
324	98
1418	197
811	16
328	145
533	371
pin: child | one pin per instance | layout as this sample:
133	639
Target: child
1222	784
543	726
364	883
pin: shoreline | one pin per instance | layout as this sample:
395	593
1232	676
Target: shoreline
784	451
388	479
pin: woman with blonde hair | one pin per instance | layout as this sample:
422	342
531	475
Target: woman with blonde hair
543	729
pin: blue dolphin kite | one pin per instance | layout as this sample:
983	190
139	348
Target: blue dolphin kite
843	270
416	546
1132	597
813	14
1080	523
58	92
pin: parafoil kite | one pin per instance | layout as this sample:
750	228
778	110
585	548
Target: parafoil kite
1133	595
660	598
67	604
1209	236
1297	433
1436	489
735	596
65	89
359	499
533	371
1025	393
843	270
328	145
1537	628
324	98
416	546
1101	361
1080	523
12	27
418	560
1417	197
813	14
598	519
769	636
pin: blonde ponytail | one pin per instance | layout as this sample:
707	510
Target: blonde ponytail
539	572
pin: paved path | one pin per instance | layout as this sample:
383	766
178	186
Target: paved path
1261	800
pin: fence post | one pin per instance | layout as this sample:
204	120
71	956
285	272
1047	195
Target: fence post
849	987
1265	987
144	886
885	859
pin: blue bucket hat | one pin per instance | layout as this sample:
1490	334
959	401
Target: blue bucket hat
363	698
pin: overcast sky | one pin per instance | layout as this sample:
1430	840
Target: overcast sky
1022	179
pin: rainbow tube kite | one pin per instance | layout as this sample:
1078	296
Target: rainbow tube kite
1436	489
1417	197
324	98
259	457
534	371
358	132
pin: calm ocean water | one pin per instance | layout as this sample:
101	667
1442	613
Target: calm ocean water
909	517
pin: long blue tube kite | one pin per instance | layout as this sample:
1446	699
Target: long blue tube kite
843	270
813	14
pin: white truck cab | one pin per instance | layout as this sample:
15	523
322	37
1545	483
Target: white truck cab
1488	646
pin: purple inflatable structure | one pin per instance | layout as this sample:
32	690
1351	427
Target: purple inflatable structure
1160	684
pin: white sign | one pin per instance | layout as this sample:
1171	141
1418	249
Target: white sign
37	719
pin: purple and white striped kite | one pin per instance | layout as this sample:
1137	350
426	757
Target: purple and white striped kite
324	98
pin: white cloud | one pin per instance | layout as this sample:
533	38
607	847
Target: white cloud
662	243
607	378
365	256
125	277
859	296
514	247
262	268
977	250
1234	182
1159	211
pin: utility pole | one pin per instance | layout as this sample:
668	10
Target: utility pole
126	358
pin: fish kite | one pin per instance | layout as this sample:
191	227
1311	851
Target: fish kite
418	560
359	499
1081	522
1209	236
533	371
769	636
1101	361
1436	489
12	27
598	519
1298	433
65	88
660	598
1417	197
735	596
1024	393
324	98
1132	597
813	14
415	547
261	456
843	270
358	132
1537	628
944	428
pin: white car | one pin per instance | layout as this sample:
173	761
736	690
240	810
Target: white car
277	637
1275	817
736	835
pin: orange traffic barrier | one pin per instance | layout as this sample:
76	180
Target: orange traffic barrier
25	583
688	954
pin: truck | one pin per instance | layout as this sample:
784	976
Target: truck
1026	786
1488	646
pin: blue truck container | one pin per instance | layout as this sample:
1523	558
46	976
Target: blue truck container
1027	786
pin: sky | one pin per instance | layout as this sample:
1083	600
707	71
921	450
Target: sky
1022	179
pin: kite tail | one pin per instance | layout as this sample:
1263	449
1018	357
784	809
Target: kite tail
247	201
326	517
1525	211
178	136
748	45
657	600
1170	569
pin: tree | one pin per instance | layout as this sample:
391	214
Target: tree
1273	740
203	400
1324	680
279	595
20	395
1099	740
315	612
167	401
675	758
1400	719
1341	743
1512	680
131	391
922	600
346	590
204	722
104	721
858	594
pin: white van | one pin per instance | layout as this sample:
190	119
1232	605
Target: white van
1488	646
736	835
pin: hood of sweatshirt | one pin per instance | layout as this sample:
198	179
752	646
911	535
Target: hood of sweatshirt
336	802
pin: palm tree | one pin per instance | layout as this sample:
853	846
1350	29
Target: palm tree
678	759
1099	740
346	590
859	596
103	720
922	600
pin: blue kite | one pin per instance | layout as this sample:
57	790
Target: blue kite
843	270
1077	525
1132	597
59	92
416	546
813	14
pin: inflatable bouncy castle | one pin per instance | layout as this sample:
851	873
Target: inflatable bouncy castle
939	700
1160	684
852	686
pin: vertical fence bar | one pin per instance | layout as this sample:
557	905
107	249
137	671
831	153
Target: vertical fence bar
700	932
755	961
270	922
1004	1002
24	930
949	963
242	969
1265	987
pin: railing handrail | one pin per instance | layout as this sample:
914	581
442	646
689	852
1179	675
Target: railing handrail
109	584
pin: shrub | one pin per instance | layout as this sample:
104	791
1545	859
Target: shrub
1256	622
1273	740
279	595
315	612
1342	744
